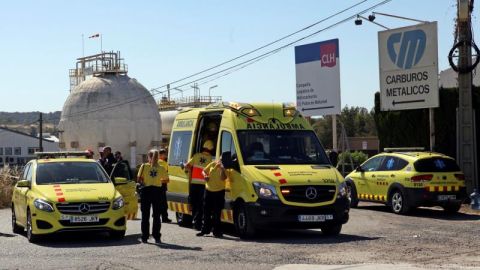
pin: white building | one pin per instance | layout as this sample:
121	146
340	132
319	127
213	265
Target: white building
449	78
17	148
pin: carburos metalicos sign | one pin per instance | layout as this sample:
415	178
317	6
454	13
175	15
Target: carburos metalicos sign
409	67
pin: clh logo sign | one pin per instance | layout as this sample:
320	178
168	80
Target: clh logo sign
410	46
328	54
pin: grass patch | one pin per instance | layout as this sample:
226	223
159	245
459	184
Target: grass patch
8	178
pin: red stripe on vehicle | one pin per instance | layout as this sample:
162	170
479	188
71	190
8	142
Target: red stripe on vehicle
59	193
282	181
61	199
277	174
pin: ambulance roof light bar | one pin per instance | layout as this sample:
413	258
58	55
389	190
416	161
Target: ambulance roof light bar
403	149
64	154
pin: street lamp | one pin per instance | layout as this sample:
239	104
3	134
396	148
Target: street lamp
210	88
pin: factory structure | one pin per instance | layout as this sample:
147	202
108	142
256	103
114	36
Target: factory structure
106	107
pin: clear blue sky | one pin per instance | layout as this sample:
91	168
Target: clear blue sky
162	41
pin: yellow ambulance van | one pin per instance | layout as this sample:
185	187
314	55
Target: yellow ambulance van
278	172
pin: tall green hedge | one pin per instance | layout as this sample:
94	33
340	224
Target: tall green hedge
411	127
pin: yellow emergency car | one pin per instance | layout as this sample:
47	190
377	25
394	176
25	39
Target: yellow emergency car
407	178
278	172
62	191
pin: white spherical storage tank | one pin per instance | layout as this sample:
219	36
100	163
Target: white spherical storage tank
113	110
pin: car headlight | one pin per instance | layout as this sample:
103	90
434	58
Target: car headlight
342	190
265	191
43	205
118	203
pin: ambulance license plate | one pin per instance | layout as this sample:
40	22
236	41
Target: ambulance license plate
314	218
446	197
83	219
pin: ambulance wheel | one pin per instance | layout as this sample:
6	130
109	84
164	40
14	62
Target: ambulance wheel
452	208
398	202
352	194
32	238
117	235
15	228
332	229
183	220
243	223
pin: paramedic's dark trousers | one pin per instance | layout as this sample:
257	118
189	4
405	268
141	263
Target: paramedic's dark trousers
214	202
151	197
197	192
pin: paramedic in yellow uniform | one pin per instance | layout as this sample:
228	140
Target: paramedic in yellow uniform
151	175
195	167
162	160
214	199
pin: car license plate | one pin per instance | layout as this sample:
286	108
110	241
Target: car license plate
446	197
80	219
314	218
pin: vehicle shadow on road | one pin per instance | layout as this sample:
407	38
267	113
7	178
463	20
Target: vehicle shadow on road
307	237
82	240
425	212
301	236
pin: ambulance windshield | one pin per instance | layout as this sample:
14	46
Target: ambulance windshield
274	147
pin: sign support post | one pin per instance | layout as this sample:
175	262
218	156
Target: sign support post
334	133
431	120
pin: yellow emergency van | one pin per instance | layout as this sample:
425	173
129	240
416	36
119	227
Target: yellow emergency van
405	178
63	191
278	172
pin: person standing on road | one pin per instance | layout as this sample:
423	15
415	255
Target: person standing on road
163	162
151	175
108	159
214	199
195	168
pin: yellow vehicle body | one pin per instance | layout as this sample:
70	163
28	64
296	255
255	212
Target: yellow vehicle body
253	174
48	206
405	180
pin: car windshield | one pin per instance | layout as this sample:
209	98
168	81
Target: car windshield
70	173
272	147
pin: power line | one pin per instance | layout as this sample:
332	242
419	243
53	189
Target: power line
264	46
247	53
242	64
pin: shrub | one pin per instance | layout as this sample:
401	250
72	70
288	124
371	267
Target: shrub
8	178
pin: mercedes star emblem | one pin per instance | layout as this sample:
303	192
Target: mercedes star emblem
84	208
311	193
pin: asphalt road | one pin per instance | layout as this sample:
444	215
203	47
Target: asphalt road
373	239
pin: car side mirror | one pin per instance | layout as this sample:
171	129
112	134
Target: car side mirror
360	169
120	180
24	184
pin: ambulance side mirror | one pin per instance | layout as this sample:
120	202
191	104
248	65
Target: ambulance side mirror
360	169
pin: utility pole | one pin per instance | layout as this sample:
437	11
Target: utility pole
40	138
466	134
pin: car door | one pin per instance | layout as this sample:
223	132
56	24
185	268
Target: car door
128	189
388	174
21	193
364	175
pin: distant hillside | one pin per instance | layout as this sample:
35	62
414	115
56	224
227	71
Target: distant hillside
24	118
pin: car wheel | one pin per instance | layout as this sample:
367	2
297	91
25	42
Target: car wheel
242	222
32	238
452	208
332	229
15	227
117	235
352	194
183	220
398	202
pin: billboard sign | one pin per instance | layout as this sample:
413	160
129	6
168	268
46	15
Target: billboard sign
408	59
318	78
